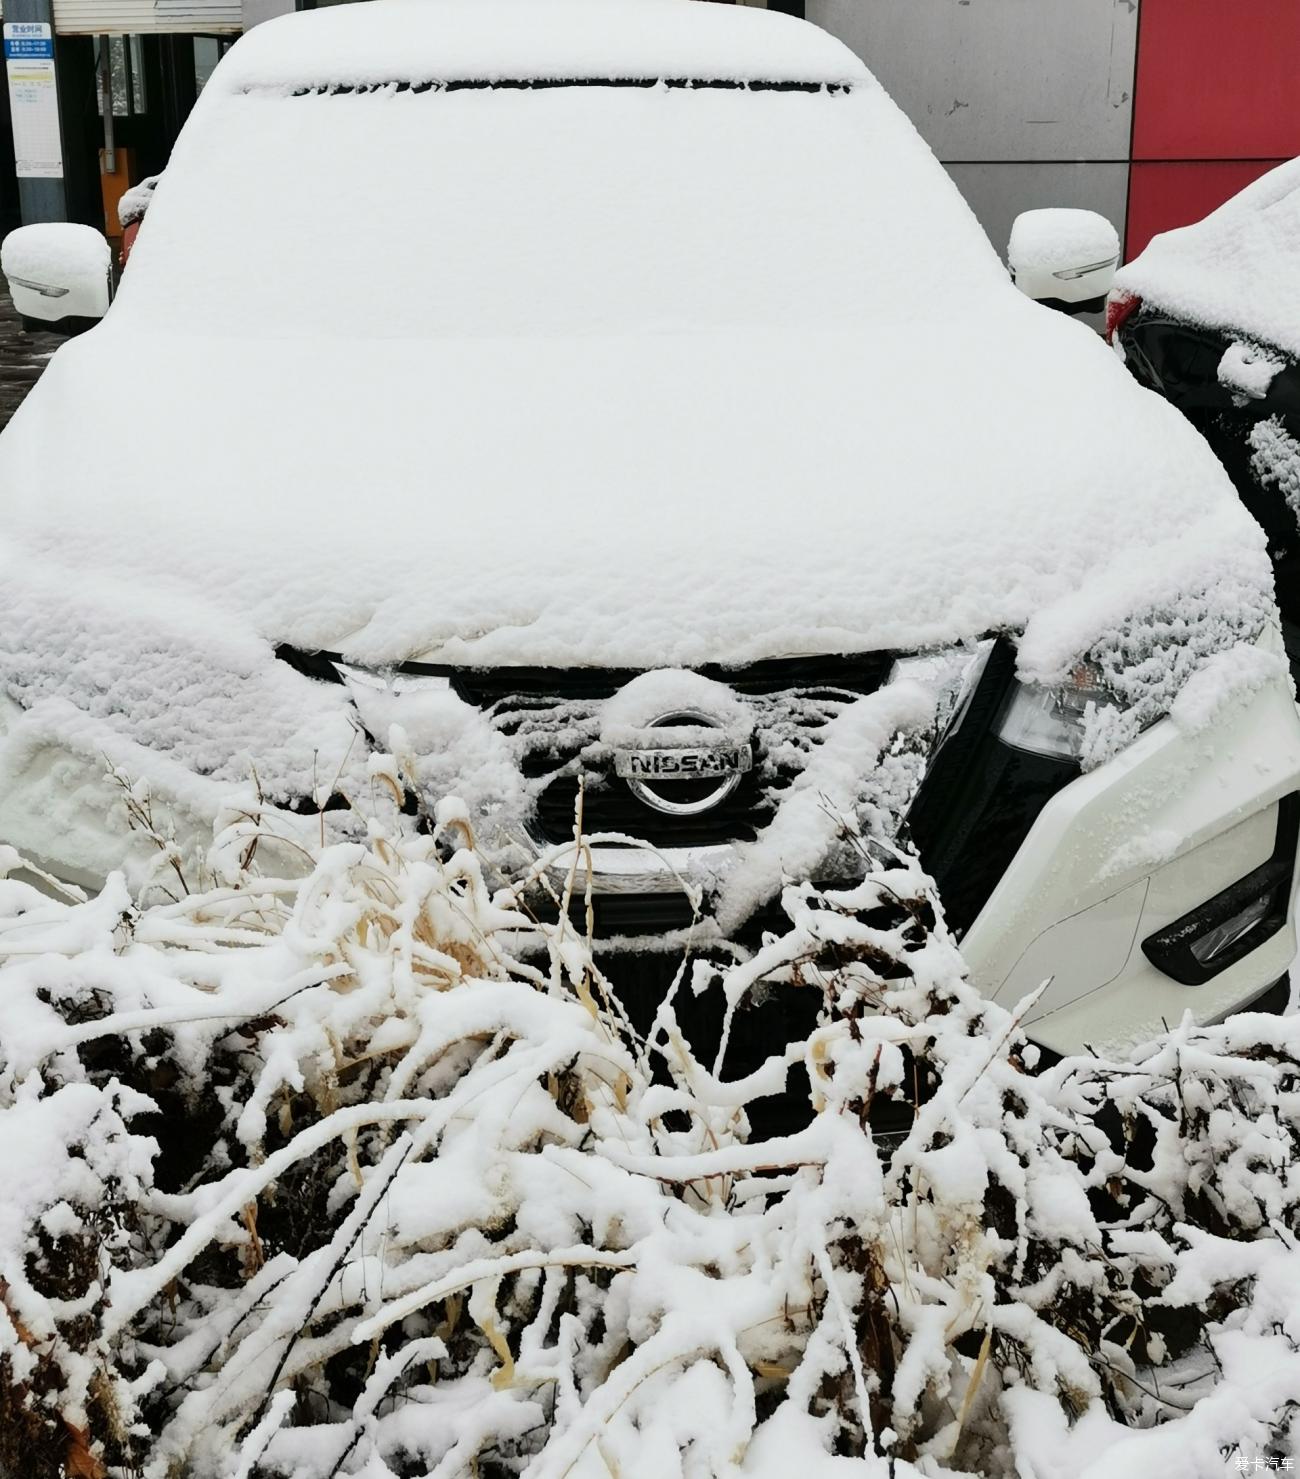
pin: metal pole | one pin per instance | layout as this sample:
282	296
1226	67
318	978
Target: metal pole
106	100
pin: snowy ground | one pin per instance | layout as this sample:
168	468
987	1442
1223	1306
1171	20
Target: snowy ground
23	356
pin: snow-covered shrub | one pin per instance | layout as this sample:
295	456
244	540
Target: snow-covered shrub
363	1171
1204	1215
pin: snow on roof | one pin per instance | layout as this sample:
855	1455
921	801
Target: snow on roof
494	40
1238	269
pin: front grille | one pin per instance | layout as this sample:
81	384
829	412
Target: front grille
553	713
858	674
978	798
608	806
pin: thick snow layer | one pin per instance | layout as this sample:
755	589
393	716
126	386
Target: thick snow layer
777	397
56	252
136	201
664	501
522	40
562	212
1054	239
1237	269
1248	370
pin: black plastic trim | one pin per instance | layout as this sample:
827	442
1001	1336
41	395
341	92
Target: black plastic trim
1170	949
860	672
512	694
1072	309
66	328
318	665
1181	361
978	801
980	798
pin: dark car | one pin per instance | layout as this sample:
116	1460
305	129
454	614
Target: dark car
1209	317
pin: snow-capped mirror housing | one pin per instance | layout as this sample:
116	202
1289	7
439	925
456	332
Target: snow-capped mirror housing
60	274
1064	259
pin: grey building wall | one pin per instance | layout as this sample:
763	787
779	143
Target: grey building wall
998	192
1028	102
257	11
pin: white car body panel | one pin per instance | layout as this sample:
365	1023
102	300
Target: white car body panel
1123	852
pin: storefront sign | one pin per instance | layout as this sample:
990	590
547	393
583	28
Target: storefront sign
33	100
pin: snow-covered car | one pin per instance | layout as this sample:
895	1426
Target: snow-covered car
1209	316
657	433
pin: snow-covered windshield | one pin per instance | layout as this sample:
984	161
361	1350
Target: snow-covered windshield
412	212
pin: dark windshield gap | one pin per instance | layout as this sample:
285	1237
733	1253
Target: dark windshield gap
330	89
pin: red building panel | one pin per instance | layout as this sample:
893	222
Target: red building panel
1217	79
1162	196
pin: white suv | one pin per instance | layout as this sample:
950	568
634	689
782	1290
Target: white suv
619	399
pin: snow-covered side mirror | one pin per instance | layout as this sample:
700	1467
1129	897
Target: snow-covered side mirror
59	274
1065	259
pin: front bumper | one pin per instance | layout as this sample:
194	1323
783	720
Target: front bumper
1125	852
1109	862
1183	828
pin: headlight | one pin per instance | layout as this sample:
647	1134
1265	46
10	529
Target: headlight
412	701
1057	721
377	680
1054	721
950	674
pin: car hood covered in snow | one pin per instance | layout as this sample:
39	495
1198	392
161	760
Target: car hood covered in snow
1238	269
668	501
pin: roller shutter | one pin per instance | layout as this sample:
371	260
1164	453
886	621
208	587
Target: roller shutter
146	17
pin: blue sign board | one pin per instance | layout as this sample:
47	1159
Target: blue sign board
25	47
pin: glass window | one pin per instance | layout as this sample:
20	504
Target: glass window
125	75
207	53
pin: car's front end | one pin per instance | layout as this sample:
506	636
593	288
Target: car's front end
1208	317
1121	839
